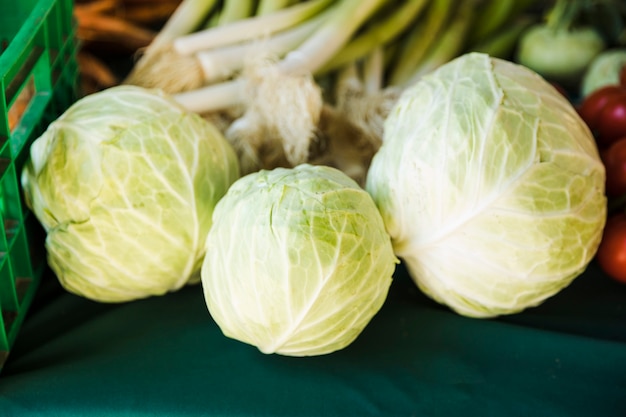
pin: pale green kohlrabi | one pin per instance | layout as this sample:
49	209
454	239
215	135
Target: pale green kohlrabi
490	186
298	261
125	183
603	71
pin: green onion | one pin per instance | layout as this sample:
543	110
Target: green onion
373	71
271	6
449	43
347	17
220	63
379	33
253	27
315	52
235	10
188	16
214	97
419	39
493	15
502	43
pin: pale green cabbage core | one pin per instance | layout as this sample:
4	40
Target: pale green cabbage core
125	183
298	261
490	186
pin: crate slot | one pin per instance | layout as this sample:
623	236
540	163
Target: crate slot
14	87
8	318
21	270
8	296
10	228
22	285
10	200
20	104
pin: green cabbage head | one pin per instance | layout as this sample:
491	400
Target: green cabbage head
125	183
490	186
298	261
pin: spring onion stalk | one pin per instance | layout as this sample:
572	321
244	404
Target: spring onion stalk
315	52
250	28
563	14
362	98
391	51
502	43
235	10
522	6
211	21
221	63
379	33
176	73
270	6
449	44
494	14
214	97
348	83
187	17
419	39
347	17
498	16
373	71
351	129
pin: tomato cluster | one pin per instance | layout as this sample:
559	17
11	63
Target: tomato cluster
604	111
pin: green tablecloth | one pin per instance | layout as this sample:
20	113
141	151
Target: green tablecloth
165	356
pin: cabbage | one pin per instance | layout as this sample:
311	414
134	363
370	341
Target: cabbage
125	183
298	261
490	186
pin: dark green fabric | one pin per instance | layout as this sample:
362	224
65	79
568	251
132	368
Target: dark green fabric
165	356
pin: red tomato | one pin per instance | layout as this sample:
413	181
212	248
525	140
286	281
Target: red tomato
614	158
611	255
612	119
594	103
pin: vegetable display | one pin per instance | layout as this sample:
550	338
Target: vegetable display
125	183
298	261
287	154
490	185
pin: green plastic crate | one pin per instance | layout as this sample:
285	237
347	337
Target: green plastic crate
39	80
